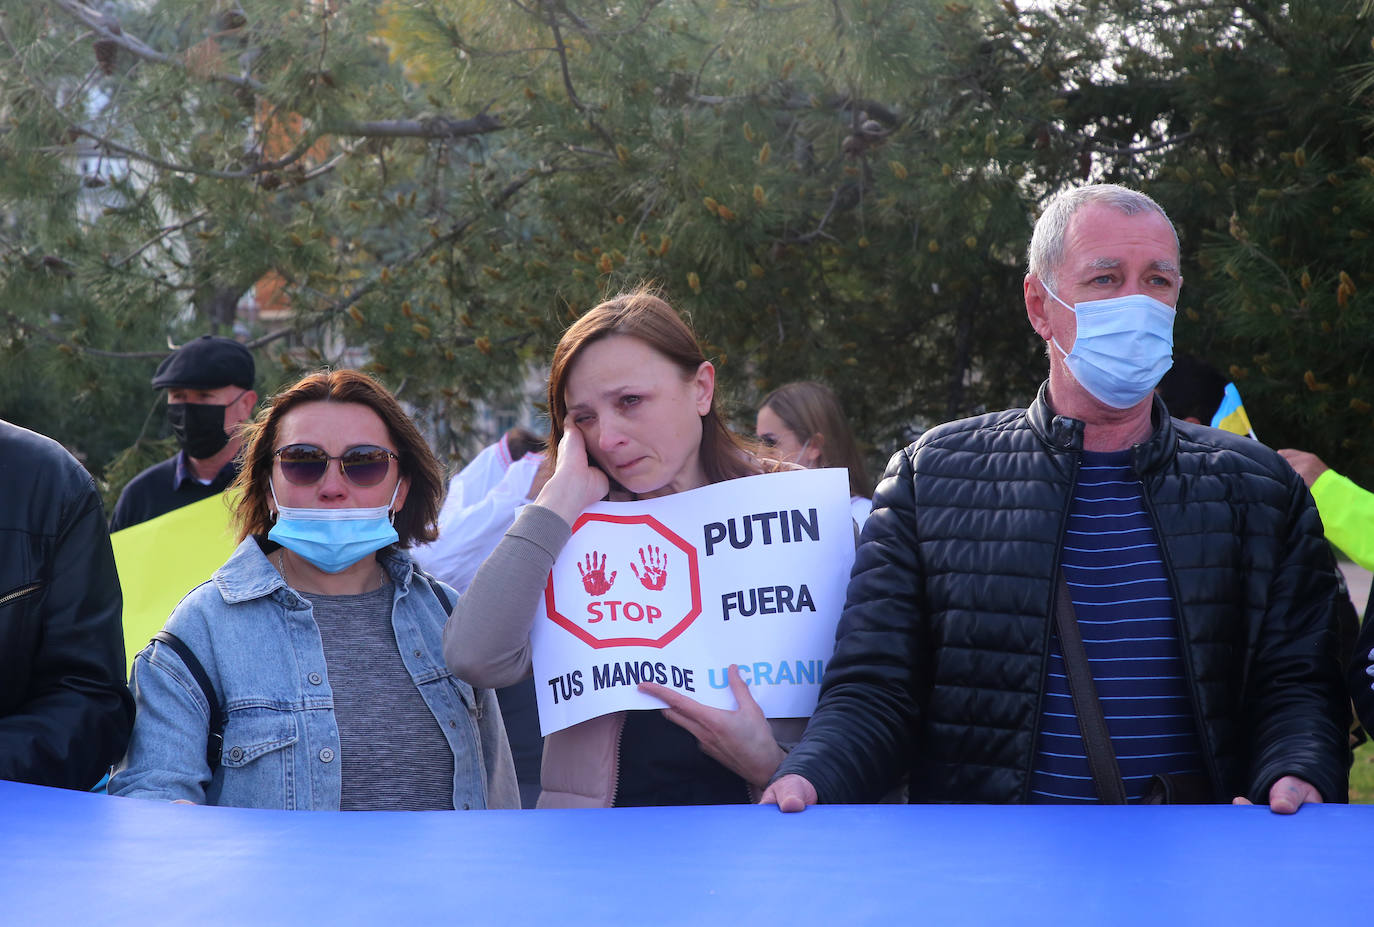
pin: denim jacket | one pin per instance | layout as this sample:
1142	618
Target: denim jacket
260	646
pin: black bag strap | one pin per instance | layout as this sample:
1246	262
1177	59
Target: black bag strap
214	744
1097	740
437	589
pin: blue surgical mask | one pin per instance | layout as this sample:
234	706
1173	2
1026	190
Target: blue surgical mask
334	539
1124	345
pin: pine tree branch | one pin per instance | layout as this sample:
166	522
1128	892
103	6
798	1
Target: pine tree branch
26	327
158	237
434	128
844	190
1264	24
266	167
562	51
110	30
431	127
582	149
1092	145
444	240
591	30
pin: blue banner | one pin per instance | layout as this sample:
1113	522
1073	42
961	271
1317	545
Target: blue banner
76	858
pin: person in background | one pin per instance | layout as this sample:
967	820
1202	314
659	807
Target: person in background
1347	512
1192	389
65	710
633	414
209	383
320	639
482	502
804	424
1189	561
1347	509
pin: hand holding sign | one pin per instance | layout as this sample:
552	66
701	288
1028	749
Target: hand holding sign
736	572
575	483
741	740
655	569
594	577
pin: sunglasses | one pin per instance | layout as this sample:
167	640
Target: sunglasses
305	464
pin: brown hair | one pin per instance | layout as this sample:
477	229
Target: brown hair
809	409
414	522
643	314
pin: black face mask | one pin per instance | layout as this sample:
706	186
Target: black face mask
199	428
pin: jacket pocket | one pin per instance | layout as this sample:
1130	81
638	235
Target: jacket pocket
257	767
20	594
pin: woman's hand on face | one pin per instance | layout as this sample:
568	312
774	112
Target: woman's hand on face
575	483
741	740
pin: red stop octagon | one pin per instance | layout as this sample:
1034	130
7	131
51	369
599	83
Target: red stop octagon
630	613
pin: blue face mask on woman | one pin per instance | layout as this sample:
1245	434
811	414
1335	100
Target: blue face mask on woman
334	539
1124	345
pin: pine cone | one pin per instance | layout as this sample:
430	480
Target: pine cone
105	51
230	20
854	146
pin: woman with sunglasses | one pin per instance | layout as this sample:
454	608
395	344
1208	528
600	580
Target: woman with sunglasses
632	402
804	424
320	642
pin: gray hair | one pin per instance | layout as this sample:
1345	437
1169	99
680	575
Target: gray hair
1046	251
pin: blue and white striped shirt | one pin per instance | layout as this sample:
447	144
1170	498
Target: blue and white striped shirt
1126	615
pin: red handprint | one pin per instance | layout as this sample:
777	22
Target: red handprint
655	568
594	577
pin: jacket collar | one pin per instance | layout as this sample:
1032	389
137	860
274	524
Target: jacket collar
248	574
1064	434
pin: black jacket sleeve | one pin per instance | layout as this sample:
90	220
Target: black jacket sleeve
1295	696
857	743
65	709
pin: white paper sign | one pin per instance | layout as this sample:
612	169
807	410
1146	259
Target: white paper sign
673	590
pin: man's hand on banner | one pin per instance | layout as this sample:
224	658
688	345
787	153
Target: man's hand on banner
655	569
741	739
575	483
594	577
1287	795
791	793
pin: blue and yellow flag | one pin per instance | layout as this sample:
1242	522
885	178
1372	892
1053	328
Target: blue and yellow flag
1231	414
161	560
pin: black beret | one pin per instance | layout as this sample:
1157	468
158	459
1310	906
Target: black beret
208	362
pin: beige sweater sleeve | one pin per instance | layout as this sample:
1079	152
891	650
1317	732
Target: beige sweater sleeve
487	638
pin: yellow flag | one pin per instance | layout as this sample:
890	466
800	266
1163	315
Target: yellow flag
161	560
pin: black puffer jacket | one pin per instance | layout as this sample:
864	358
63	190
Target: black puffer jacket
940	657
65	710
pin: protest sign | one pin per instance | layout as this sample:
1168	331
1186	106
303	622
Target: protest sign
673	590
162	559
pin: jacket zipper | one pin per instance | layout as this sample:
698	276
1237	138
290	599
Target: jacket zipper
1184	651
20	593
615	770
